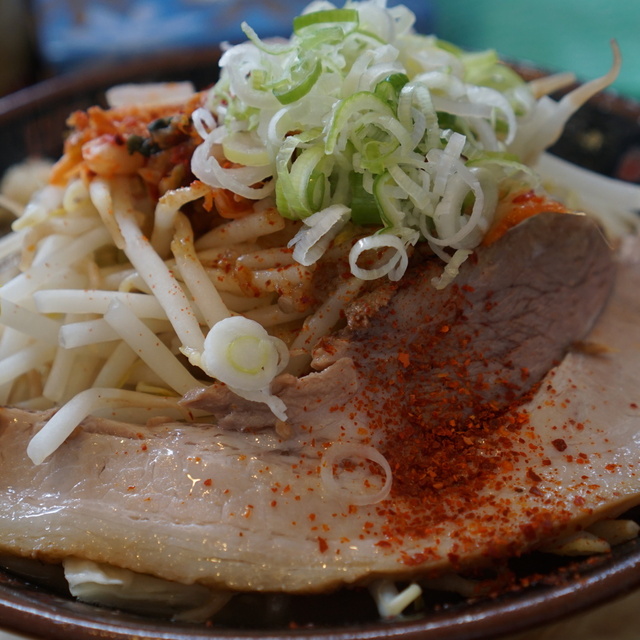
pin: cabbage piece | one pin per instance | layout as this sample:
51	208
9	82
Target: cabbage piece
110	586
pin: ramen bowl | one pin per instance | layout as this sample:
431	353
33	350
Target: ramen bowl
603	137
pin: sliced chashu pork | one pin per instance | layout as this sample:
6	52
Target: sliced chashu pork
250	510
509	317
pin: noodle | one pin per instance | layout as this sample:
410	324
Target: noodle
28	322
32	357
320	324
83	333
273	315
60	426
155	273
244	229
149	348
205	295
164	218
267	259
57	383
37	277
117	366
281	278
94	301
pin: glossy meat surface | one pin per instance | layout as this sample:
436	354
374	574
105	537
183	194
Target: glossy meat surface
253	510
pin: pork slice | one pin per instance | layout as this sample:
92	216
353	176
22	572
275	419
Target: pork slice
327	389
191	503
511	314
249	510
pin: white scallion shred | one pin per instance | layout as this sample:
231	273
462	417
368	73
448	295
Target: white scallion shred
355	493
547	118
393	265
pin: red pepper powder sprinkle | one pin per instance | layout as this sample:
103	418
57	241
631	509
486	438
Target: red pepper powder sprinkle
453	434
404	359
559	444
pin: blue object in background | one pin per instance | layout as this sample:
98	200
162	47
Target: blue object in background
559	35
72	33
562	35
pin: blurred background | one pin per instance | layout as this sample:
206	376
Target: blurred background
40	38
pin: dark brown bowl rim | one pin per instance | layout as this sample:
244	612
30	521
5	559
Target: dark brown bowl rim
586	584
103	75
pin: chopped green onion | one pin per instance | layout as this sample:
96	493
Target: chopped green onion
357	103
245	148
302	79
316	38
322	17
388	207
316	190
356	109
364	209
300	174
240	353
249	354
449	47
273	48
389	89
